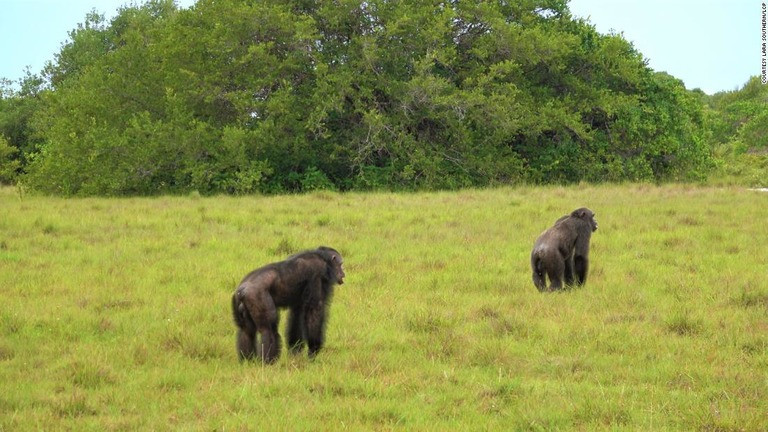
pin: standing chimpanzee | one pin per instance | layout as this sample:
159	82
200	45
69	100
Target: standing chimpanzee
303	283
563	250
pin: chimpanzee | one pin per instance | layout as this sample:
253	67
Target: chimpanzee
563	250
302	283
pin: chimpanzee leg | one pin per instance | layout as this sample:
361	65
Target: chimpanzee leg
264	314
246	346
270	344
555	270
539	279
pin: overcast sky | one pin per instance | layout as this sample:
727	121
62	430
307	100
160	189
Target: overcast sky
713	45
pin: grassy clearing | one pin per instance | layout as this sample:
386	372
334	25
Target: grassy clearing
115	313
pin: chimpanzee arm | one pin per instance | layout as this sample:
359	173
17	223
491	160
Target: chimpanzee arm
296	329
581	259
314	315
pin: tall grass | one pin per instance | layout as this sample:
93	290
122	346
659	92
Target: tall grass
115	313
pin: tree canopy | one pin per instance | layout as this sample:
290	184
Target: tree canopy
241	96
738	132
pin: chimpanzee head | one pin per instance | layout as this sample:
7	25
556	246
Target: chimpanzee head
336	269
586	215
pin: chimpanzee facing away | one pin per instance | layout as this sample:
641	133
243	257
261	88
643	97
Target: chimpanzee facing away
303	283
563	250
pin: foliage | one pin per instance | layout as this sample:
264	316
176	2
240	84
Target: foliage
18	143
238	96
738	121
9	164
123	303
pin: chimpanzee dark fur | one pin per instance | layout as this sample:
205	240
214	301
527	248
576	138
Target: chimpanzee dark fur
303	283
563	250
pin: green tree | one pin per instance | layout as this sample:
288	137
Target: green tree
17	107
9	164
738	124
239	96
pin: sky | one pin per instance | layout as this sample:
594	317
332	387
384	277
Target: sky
33	31
713	45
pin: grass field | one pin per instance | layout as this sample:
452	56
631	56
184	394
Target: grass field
115	313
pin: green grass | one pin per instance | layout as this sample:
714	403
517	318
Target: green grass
115	313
